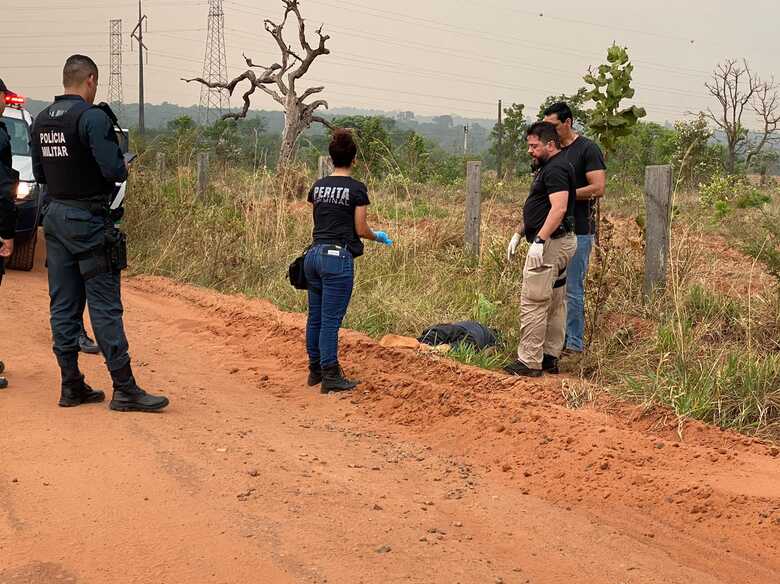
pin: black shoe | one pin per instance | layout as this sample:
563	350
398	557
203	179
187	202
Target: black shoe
128	397
522	370
3	383
76	393
315	375
87	345
333	380
550	364
2	367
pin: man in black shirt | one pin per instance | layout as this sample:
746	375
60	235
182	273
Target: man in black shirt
77	155
9	179
590	179
548	223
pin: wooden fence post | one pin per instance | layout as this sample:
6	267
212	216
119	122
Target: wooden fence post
203	174
161	165
473	206
325	167
658	208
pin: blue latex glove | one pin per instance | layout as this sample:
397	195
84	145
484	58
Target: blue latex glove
381	237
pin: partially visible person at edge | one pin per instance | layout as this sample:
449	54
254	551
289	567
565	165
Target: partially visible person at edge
340	203
590	179
548	216
77	155
9	179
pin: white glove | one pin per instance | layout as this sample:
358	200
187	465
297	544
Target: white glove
512	249
535	255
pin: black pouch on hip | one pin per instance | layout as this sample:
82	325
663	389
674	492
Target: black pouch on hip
116	247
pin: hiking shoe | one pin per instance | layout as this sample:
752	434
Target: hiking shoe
77	393
520	369
3	383
333	380
315	375
87	345
550	365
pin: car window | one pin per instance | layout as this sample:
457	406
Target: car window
20	136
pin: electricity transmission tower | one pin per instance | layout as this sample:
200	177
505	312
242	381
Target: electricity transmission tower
213	102
115	98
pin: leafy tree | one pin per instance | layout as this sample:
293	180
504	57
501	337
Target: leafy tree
513	151
375	148
647	144
576	102
695	158
611	84
416	157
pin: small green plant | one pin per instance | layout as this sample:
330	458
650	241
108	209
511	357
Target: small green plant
486	359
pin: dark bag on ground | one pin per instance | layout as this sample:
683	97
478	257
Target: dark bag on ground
296	273
454	334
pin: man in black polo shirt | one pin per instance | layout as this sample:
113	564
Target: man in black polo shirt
548	224
590	179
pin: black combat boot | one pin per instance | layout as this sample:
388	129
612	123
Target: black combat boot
75	391
128	397
87	345
333	380
550	364
315	374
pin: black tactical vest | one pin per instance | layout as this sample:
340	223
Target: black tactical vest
71	170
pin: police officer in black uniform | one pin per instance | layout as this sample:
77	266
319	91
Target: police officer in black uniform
77	155
9	179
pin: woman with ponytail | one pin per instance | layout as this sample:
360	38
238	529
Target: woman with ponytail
340	203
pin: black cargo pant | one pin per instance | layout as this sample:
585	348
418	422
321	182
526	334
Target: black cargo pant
71	233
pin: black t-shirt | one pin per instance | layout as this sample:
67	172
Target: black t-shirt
554	175
585	156
335	199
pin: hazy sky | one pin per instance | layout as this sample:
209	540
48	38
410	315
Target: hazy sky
429	56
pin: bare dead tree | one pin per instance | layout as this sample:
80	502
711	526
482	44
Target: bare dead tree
298	115
766	105
734	86
739	89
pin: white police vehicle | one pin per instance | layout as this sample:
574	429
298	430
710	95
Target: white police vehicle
18	121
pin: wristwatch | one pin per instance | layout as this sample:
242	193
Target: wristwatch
538	240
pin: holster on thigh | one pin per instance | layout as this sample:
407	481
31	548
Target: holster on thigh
94	262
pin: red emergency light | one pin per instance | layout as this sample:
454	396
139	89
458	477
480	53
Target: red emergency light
14	100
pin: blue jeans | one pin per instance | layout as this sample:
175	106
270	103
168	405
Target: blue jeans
330	272
577	272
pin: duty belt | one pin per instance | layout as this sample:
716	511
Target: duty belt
99	208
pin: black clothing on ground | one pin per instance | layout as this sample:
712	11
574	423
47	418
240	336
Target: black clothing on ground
335	199
554	175
585	156
75	151
468	331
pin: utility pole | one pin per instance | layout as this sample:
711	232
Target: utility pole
466	139
138	34
500	149
115	98
213	102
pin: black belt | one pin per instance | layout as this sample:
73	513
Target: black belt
95	207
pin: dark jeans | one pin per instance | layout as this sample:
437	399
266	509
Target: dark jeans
69	233
575	292
330	272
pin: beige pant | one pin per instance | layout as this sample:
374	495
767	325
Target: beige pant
542	306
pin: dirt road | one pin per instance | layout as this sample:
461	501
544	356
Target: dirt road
430	473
